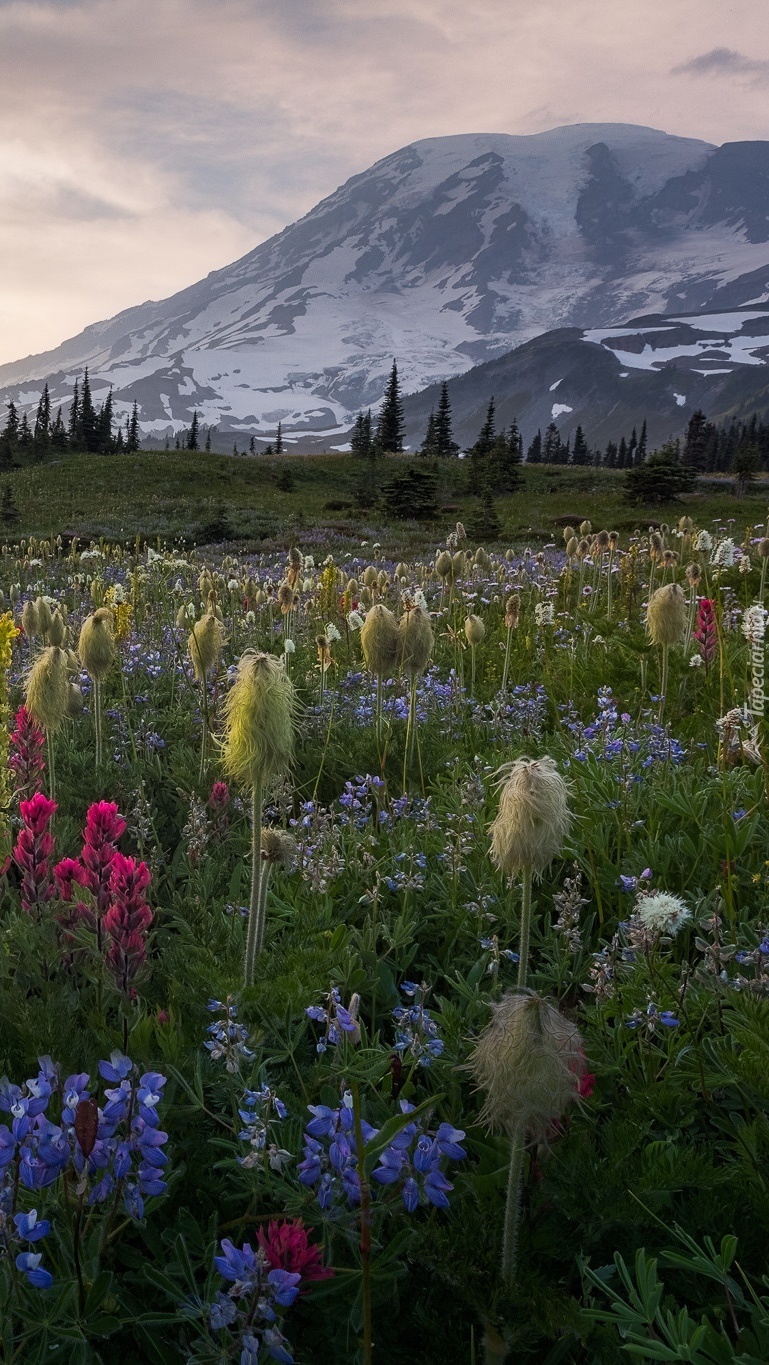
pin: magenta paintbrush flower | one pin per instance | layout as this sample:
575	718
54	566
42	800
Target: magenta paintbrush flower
128	919
32	853
25	760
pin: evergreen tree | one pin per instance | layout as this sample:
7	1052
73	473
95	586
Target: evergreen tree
9	512
640	454
104	425
133	434
42	431
279	440
445	444
486	436
59	432
192	438
90	431
552	449
429	445
390	424
119	442
622	460
74	432
696	440
361	441
534	452
580	454
505	462
661	477
412	495
745	462
610	456
25	433
483	521
251	444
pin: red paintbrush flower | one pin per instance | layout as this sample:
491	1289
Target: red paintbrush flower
287	1246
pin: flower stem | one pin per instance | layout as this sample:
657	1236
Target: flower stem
523	961
256	876
512	1206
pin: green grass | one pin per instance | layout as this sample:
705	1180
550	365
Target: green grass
182	494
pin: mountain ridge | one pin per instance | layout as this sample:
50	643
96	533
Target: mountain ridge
448	252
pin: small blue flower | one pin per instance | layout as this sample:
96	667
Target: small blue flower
28	1262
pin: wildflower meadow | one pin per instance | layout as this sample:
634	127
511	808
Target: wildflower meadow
384	951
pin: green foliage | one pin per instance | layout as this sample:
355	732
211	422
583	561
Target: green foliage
659	479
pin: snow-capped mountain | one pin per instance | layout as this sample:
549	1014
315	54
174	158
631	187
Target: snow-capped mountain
443	255
608	379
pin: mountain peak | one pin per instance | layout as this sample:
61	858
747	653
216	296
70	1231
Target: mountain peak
449	251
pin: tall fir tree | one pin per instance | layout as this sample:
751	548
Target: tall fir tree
486	436
58	432
580	454
390	423
133	434
429	444
640	453
104	426
42	430
90	433
279	445
194	431
25	433
361	441
552	449
534	452
445	444
74	433
696	441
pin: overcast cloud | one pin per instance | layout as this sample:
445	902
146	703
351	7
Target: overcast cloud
144	143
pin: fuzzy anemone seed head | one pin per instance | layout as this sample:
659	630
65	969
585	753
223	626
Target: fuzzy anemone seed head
204	644
286	598
259	712
474	630
415	640
278	848
528	1062
693	574
58	630
444	564
96	645
30	621
666	615
43	615
47	698
533	819
380	640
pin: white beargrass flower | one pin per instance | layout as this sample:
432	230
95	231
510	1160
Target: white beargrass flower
754	623
724	554
289	647
696	661
704	541
354	620
332	634
662	912
544	613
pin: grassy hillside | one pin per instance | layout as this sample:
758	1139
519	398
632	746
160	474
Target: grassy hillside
213	498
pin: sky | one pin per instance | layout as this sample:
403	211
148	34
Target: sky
144	143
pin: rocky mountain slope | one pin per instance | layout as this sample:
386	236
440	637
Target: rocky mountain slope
444	255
